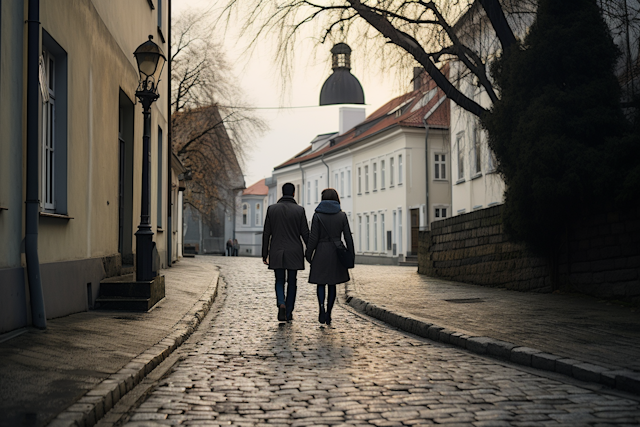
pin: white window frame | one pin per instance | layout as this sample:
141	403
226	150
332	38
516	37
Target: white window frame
316	190
399	169
438	210
257	220
308	192
375	232
342	184
440	166
359	180
391	171
382	177
382	240
477	151
360	233
366	178
375	176
367	240
49	134
460	154
245	214
349	183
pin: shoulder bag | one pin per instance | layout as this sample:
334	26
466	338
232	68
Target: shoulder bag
344	255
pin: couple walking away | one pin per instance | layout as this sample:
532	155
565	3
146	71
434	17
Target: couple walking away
285	228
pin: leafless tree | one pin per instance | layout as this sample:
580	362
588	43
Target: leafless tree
212	126
430	31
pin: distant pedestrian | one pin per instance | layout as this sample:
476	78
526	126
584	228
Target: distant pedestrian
236	247
229	247
329	224
285	228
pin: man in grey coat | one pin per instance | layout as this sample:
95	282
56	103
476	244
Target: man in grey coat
285	228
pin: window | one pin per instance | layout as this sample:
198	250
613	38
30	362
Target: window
440	166
359	181
477	152
258	214
297	193
399	231
160	181
367	230
460	152
335	181
391	171
349	183
360	233
491	161
53	85
342	184
382	231
441	213
308	192
382	177
366	179
160	14
399	169
316	188
245	212
375	177
375	233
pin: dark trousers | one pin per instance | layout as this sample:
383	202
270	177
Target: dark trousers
330	300
289	276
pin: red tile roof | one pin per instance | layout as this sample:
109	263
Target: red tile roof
257	189
409	114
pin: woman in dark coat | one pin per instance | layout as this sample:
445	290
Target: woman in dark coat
329	224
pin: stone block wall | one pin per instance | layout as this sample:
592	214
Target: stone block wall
600	255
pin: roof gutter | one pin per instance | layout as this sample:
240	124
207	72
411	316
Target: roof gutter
38	315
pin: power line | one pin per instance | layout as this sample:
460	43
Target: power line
277	108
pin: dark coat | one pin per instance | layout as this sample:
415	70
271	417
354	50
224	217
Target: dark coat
285	227
326	268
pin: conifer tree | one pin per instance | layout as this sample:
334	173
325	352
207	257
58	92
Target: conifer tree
556	122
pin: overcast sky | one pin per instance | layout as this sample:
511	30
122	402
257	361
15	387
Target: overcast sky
291	130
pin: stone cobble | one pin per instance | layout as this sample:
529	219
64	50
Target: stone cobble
252	370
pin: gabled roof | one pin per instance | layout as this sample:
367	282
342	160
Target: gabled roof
428	102
257	189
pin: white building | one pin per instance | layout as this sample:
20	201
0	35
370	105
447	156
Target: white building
250	219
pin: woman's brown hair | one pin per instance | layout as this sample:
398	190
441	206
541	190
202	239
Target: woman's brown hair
330	194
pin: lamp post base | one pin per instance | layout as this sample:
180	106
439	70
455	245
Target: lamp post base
144	254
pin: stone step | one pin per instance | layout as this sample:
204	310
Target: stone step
408	263
125	293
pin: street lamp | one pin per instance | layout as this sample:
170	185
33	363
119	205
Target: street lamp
150	59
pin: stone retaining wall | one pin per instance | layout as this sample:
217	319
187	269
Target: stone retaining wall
600	257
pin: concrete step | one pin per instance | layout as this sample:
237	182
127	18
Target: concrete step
125	293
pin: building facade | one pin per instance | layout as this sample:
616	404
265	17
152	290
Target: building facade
250	219
89	157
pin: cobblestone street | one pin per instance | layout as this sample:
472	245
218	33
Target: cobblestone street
251	369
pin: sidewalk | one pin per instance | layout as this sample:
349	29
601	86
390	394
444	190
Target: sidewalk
79	367
589	339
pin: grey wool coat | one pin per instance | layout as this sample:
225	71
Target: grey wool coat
285	228
326	268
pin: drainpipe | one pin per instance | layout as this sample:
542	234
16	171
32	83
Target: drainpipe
322	160
169	144
426	170
38	316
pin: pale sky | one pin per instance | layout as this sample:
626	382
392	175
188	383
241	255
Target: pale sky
291	130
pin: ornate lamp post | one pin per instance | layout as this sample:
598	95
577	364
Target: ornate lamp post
150	59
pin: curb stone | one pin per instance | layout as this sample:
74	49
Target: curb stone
624	380
91	407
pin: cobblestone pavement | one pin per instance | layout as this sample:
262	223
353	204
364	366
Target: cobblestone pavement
572	326
252	370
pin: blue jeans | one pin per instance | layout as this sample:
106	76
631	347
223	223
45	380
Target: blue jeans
290	300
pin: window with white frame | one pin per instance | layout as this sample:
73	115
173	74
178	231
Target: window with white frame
441	212
375	233
399	231
342	184
366	179
382	231
297	193
375	177
359	180
308	192
245	214
399	169
335	181
258	216
367	240
349	183
477	152
460	153
440	166
391	171
360	233
53	134
316	190
48	130
491	160
382	177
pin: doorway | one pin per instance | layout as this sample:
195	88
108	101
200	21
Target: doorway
415	228
125	179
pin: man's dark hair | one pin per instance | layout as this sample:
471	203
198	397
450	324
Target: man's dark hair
330	194
288	189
